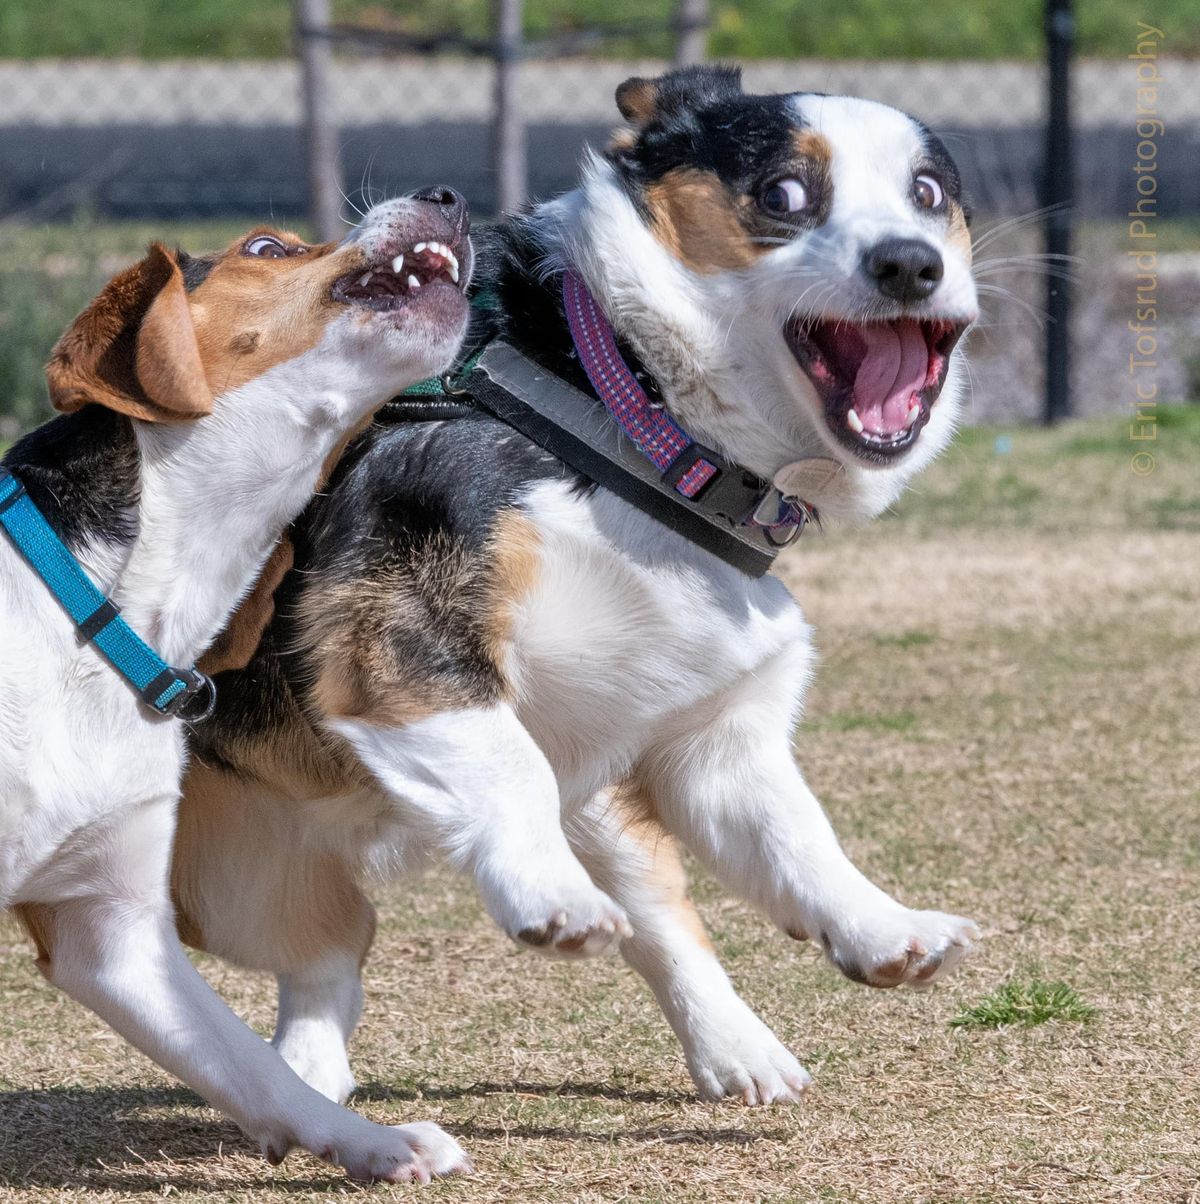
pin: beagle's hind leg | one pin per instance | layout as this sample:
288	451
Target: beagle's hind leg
107	937
255	883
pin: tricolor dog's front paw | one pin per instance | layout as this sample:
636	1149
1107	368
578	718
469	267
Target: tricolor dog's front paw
577	924
899	946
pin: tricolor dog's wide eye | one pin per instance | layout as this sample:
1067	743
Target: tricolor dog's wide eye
785	197
265	247
928	192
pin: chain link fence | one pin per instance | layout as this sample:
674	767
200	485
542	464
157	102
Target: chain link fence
175	140
171	141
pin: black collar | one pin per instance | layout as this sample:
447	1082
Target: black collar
576	429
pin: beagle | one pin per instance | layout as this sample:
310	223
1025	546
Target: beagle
493	655
202	397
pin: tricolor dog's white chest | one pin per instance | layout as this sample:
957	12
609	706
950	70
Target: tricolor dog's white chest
627	626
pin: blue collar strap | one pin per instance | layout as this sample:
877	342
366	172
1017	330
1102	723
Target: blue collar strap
183	693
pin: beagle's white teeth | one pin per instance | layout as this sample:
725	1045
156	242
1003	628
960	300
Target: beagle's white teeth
364	280
853	421
398	264
419	248
914	413
414	283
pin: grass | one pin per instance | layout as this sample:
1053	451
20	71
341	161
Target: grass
1031	614
742	29
1025	1004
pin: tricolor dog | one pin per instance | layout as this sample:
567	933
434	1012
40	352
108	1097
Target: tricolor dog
542	665
203	397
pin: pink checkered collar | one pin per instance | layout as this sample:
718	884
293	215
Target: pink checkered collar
689	467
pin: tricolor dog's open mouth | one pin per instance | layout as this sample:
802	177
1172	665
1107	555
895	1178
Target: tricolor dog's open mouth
878	380
392	282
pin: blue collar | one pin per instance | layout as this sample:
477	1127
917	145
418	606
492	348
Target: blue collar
183	693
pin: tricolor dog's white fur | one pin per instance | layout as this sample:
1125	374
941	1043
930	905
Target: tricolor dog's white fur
89	779
643	686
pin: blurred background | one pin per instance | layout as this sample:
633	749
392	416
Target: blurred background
121	122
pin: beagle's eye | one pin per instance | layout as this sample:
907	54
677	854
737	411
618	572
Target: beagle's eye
265	247
785	197
928	192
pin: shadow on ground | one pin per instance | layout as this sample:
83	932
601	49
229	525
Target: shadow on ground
137	1139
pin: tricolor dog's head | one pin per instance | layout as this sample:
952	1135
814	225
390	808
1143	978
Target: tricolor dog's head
176	335
795	268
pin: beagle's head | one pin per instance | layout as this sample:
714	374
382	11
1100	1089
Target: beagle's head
813	250
175	333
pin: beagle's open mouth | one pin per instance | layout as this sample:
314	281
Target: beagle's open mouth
878	380
390	283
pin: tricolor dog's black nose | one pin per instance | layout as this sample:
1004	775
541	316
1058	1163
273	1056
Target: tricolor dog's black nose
904	269
452	203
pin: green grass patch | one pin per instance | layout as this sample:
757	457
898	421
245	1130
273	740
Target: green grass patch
1068	480
859	721
941	29
909	639
1025	1005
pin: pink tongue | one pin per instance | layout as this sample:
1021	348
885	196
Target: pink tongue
893	369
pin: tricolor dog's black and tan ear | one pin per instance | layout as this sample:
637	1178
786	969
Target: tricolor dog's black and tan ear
134	348
642	101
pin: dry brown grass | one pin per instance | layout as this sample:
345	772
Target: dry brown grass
1004	723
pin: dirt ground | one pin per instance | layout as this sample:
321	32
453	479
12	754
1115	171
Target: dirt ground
1004	724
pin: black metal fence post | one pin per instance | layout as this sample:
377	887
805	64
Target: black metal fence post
691	32
321	136
1058	196
508	123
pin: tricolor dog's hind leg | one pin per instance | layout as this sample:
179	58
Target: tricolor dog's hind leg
312	924
728	1049
724	780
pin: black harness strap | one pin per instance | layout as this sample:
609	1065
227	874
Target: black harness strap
577	430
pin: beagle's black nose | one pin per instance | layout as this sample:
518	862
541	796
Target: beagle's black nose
904	269
452	203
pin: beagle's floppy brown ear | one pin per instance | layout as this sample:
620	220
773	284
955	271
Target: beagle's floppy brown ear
134	348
